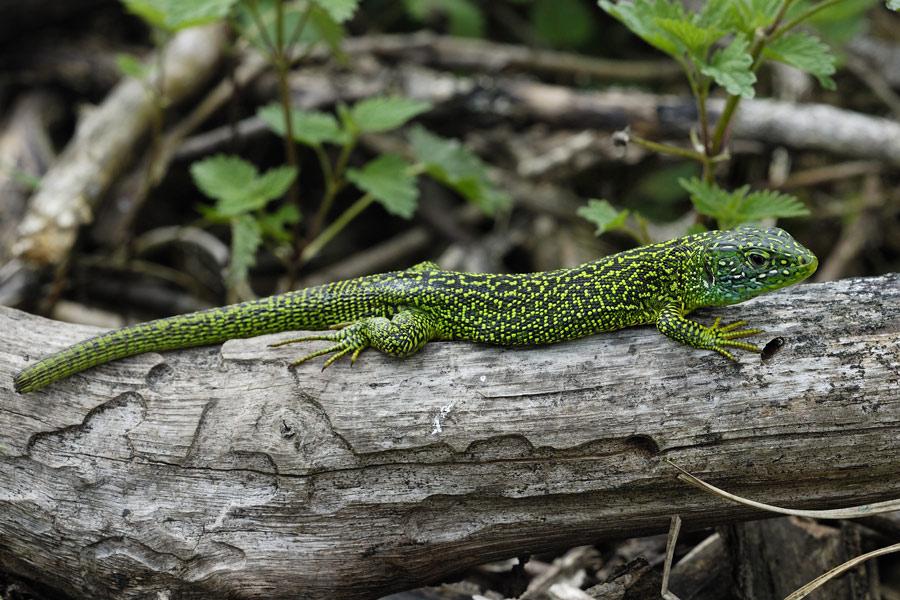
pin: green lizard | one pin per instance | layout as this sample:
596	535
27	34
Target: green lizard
399	312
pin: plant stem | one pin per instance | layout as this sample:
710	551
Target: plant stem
778	32
666	149
281	62
335	227
254	11
774	30
301	25
334	183
700	90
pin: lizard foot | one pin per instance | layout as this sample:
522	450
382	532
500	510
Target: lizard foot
727	335
401	335
718	337
351	338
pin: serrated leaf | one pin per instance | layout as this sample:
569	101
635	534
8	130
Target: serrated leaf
764	204
273	184
247	23
174	15
152	12
753	14
454	165
246	238
695	38
730	67
182	14
310	127
806	53
840	22
323	27
562	22
718	13
276	225
236	185
389	180
642	17
730	209
339	10
223	177
602	214
346	119
131	66
463	17
385	113
708	199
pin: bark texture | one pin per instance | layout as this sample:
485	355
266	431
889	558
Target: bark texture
218	471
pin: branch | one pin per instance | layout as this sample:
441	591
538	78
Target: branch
219	471
72	189
813	127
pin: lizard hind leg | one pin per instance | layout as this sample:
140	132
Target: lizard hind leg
401	335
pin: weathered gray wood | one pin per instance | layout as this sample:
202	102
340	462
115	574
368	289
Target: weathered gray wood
219	471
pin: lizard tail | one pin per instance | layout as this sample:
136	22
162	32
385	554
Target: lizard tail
294	310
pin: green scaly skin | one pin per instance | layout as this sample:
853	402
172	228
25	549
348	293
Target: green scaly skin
399	312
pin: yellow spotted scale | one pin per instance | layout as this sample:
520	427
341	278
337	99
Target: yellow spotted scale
400	311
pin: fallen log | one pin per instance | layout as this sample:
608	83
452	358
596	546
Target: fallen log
219	471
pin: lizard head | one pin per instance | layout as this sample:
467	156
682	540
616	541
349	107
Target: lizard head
741	263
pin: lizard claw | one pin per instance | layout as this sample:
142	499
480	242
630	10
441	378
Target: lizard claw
349	339
727	335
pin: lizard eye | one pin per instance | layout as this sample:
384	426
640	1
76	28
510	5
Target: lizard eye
756	259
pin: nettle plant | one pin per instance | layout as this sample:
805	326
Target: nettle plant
723	44
252	203
243	196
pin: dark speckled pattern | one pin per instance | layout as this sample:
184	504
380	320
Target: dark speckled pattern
399	312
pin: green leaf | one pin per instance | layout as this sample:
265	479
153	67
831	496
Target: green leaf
719	13
806	53
696	39
247	23
464	17
389	180
385	113
339	10
753	14
730	209
277	225
454	165
562	22
322	27
152	12
730	67
842	21
603	215
310	128
223	177
174	15
708	199
763	204
236	184
273	184
246	237
642	17
893	5
131	66
183	14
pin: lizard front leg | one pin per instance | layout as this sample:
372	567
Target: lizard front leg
401	335
673	324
